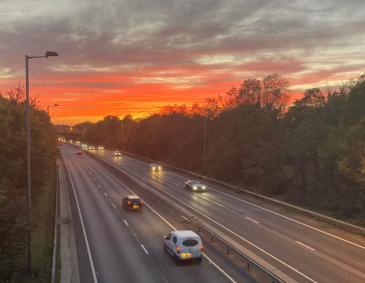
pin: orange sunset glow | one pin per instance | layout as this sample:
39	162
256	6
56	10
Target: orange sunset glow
133	57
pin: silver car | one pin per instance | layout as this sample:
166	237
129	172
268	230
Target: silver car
184	245
195	186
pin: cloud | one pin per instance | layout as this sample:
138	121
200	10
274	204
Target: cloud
173	47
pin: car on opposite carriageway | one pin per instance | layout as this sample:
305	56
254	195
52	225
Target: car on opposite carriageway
155	167
117	153
195	186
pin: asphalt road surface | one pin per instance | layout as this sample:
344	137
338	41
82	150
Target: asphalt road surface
304	252
119	246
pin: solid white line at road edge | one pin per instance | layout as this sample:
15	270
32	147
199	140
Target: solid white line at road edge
227	229
83	229
290	219
171	226
270	211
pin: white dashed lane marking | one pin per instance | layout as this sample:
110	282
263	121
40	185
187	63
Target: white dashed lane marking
304	245
144	249
252	220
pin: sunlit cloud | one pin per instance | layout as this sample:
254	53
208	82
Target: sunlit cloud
5	73
120	57
85	68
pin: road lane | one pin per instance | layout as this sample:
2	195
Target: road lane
354	256
330	261
126	245
114	250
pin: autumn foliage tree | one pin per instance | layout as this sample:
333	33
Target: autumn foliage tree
13	196
310	153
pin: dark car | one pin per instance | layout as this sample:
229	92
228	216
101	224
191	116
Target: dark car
132	202
195	186
79	152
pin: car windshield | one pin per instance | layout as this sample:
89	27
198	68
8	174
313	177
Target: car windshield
190	242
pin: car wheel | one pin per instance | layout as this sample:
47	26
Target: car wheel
199	260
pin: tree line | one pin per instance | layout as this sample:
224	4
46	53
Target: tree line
310	152
13	187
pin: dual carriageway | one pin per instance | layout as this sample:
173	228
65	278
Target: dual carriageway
118	246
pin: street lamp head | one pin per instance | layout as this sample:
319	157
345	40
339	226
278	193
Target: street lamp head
51	53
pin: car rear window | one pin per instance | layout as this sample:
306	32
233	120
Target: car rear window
136	201
190	243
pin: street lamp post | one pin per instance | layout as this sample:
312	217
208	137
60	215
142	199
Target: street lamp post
27	126
204	141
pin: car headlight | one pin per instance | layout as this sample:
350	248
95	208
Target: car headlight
159	167
195	188
204	187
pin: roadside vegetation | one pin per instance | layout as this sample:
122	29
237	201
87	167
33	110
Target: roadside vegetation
13	190
310	152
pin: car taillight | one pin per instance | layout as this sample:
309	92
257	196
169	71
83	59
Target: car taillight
201	248
178	249
129	202
142	202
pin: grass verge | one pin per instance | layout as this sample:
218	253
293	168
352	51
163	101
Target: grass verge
43	228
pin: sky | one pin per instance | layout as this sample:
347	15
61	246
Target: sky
135	56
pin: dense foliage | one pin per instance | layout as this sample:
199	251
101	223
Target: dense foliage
13	190
312	153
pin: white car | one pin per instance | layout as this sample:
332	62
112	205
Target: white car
117	153
155	167
100	147
184	245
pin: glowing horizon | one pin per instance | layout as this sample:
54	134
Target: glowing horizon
122	57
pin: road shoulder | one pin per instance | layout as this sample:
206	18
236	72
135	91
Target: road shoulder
68	250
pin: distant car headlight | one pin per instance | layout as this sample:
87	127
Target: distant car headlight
195	187
204	187
153	168
159	167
